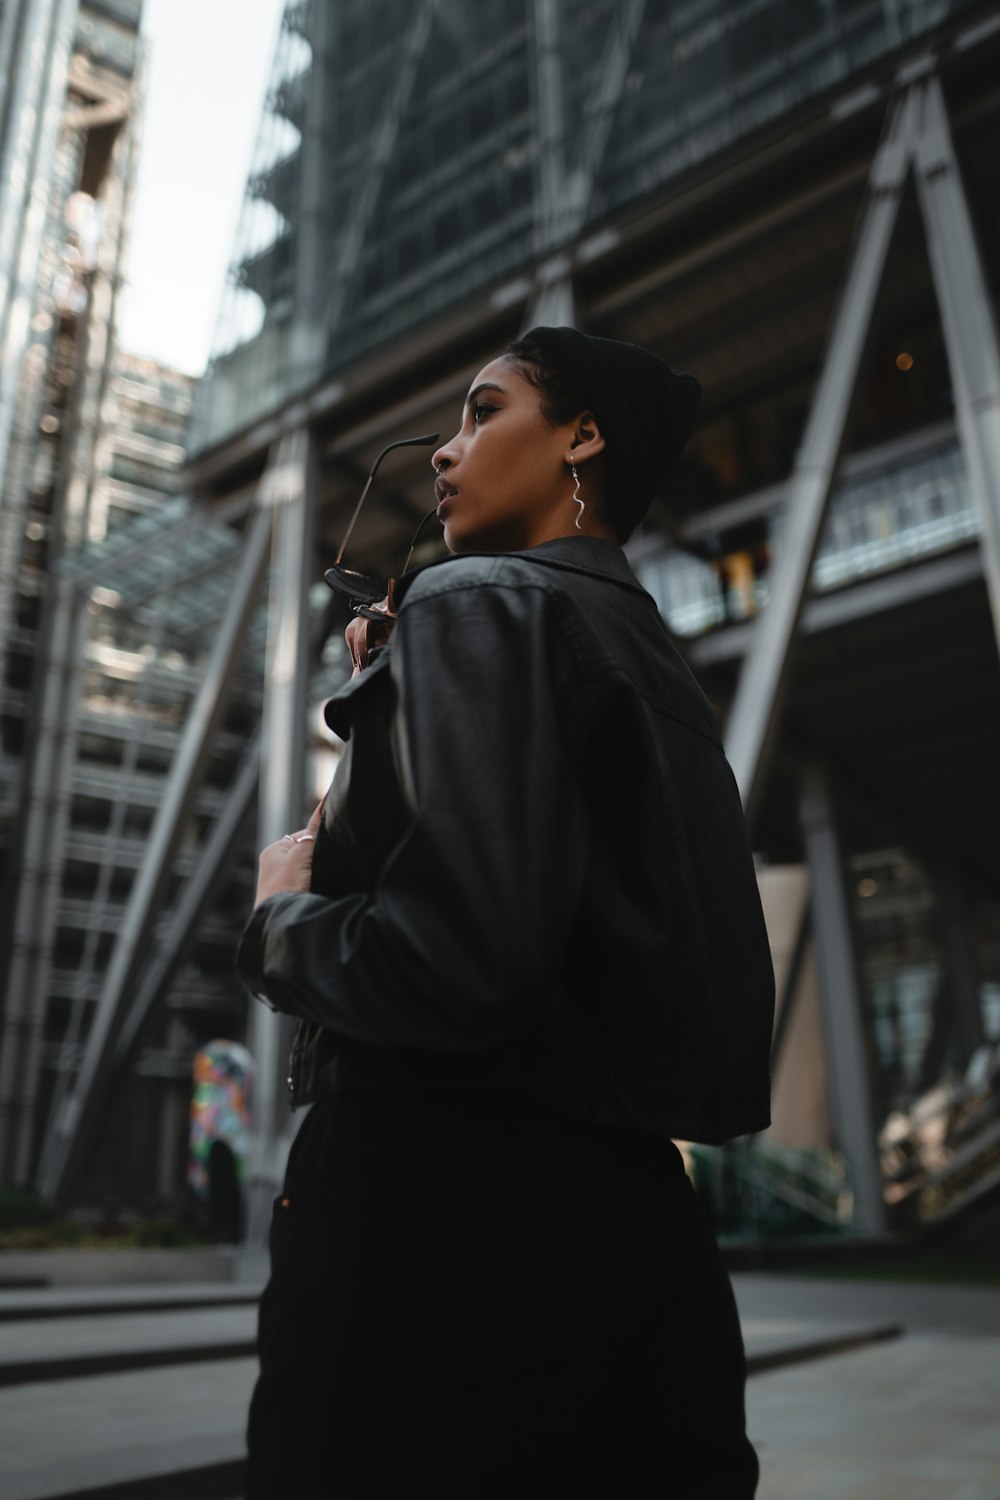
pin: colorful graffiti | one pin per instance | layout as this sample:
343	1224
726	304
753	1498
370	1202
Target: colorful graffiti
219	1139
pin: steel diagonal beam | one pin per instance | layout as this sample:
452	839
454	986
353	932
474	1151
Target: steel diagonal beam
754	717
384	145
562	197
190	904
191	901
611	76
70	1132
968	323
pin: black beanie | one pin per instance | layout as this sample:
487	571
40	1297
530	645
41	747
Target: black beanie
645	410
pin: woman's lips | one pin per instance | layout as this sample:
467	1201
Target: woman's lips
443	490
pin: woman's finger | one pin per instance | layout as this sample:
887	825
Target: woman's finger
285	867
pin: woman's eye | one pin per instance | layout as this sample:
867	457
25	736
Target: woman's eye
479	411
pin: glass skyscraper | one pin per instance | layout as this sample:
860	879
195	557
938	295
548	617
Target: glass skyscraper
413	155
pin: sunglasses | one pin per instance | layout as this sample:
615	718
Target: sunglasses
363	591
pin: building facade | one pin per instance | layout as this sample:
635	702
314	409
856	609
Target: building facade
72	78
92	442
796	201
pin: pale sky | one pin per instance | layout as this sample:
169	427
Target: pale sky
208	70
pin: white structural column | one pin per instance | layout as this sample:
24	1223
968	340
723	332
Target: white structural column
565	175
848	1072
550	167
756	708
35	37
970	330
70	1131
282	785
553	305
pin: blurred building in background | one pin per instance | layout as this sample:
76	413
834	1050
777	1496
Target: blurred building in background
68	150
796	200
98	652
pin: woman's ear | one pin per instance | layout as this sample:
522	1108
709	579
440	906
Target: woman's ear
587	440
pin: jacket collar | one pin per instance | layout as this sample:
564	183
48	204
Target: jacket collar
583	554
573	554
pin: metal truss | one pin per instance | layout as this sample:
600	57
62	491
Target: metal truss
610	83
754	716
152	942
383	147
70	1126
565	180
916	140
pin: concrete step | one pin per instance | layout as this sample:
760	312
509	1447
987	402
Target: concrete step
98	1344
133	1404
36	1304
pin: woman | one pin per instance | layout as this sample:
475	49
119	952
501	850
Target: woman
525	947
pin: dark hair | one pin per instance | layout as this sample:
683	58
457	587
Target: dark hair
645	409
562	398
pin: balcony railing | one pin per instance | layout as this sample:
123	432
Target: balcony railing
885	518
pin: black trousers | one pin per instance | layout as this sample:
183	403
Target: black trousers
471	1299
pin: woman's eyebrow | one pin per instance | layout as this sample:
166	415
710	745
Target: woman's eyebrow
487	385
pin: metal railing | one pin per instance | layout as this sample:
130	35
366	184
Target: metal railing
884	519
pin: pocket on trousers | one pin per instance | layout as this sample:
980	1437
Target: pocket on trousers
280	1231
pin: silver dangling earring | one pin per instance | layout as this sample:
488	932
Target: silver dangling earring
577	497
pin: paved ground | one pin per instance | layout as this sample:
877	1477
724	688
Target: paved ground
917	1418
79	1436
914	1418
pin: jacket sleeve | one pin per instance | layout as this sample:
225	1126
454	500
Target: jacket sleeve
462	942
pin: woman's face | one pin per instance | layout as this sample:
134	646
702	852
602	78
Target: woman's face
505	483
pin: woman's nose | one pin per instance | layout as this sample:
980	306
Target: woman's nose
442	459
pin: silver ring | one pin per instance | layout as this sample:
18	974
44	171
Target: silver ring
303	838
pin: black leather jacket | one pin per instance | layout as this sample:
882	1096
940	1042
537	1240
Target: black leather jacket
533	870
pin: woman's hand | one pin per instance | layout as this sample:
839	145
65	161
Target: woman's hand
286	866
364	636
